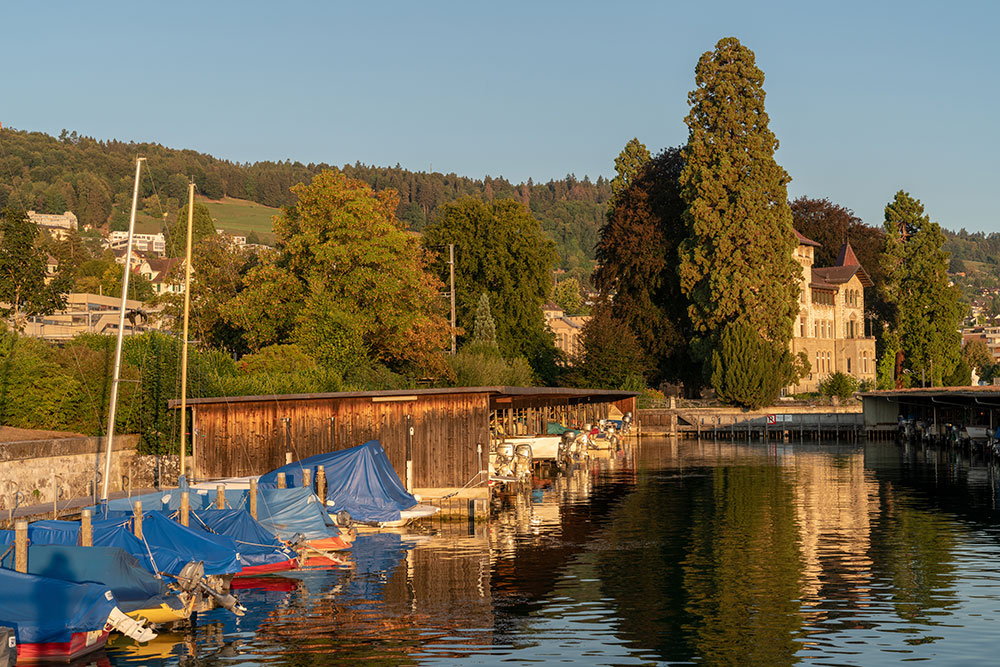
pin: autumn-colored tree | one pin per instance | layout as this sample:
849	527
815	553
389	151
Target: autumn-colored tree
346	279
925	311
736	264
637	267
500	250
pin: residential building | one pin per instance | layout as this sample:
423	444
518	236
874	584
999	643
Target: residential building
90	313
158	272
148	243
831	324
566	329
59	226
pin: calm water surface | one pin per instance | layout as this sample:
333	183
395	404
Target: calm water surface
681	552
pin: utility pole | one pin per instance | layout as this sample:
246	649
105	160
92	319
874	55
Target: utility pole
451	269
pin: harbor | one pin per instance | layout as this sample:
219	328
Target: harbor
553	575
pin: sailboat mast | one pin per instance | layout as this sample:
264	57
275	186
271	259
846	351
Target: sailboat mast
113	407
187	307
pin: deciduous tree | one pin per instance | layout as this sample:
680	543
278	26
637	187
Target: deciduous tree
23	286
500	250
202	227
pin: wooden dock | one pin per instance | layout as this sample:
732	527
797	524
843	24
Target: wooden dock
777	423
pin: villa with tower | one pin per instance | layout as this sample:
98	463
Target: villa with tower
831	322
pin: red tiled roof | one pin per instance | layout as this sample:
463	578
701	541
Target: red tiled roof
803	240
846	256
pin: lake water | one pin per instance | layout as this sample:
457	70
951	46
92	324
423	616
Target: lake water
680	552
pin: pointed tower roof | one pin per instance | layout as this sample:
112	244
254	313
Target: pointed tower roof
802	239
846	256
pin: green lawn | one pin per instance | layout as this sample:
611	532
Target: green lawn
238	216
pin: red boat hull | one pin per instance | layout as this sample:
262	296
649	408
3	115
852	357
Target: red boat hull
80	643
256	570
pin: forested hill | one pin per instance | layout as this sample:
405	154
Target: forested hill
94	179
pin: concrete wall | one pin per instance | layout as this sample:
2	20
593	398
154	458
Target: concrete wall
35	471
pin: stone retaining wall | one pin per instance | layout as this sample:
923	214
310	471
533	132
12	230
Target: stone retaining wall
41	471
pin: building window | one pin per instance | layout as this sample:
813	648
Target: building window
802	328
848	364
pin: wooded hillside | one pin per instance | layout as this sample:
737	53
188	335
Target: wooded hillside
94	179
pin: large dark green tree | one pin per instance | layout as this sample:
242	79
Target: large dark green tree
736	264
748	370
500	250
637	267
25	288
925	311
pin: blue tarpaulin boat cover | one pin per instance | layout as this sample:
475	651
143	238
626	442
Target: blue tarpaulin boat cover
360	480
133	586
43	610
166	546
292	513
256	544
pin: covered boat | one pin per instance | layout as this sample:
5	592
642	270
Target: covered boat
360	481
140	594
260	551
60	620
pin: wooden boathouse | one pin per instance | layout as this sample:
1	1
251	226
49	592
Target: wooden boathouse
935	407
444	432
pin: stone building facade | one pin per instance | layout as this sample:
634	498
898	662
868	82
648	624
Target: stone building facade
830	327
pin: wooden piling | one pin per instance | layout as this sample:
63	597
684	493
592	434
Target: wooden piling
185	508
281	480
307	477
21	546
253	498
220	496
137	514
321	482
86	529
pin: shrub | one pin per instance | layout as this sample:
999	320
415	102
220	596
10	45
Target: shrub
748	370
838	384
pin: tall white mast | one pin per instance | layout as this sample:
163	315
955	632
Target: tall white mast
113	408
187	306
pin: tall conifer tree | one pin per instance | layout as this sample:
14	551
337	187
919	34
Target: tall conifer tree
736	263
925	311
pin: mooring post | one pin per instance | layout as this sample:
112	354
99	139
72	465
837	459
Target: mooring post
220	496
86	529
409	453
288	439
185	508
281	480
307	478
137	514
21	546
253	498
321	483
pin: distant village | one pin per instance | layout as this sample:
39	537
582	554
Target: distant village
97	313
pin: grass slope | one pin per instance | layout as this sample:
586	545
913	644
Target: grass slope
239	216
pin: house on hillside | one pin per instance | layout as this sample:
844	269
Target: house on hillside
831	322
159	273
147	243
58	226
566	329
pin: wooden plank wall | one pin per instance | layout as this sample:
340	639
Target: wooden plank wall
249	438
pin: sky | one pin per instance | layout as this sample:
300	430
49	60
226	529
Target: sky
866	98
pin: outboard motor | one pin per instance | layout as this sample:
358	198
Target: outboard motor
191	580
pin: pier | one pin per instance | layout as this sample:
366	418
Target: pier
779	422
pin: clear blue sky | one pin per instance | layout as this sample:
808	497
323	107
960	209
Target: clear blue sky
866	98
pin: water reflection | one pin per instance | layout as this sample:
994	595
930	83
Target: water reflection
677	551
